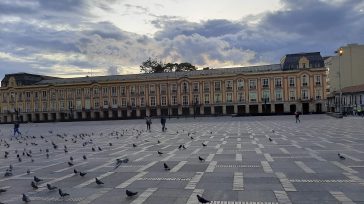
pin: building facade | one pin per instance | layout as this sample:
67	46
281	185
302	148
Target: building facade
345	69
296	84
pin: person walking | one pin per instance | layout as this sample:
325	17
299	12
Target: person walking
16	128
148	121
163	122
297	115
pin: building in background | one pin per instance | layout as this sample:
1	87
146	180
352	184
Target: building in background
345	69
298	83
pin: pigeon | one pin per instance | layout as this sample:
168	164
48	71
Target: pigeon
204	145
160	153
11	167
202	200
47	155
341	156
273	131
93	149
134	145
82	174
159	142
130	193
166	167
183	146
270	139
19	159
62	194
25	198
180	146
34	185
99	148
36	179
70	163
71	158
28	171
65	151
201	159
98	182
51	188
84	157
8	173
2	190
110	144
75	171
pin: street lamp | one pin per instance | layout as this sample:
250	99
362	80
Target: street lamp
265	99
194	108
340	52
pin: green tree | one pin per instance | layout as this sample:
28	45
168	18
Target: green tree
155	66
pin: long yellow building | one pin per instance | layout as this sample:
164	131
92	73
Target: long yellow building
298	83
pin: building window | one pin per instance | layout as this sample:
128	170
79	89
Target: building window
96	103
78	104
229	97
106	103
105	91
174	100
141	90
206	86
278	82
123	102
196	99
195	86
164	100
132	102
318	80
174	88
240	84
292	81
265	83
279	96
96	91
266	95
241	97
152	101
27	94
185	100
132	90
44	106
252	96
142	101
217	86
184	87
163	88
113	91
122	90
70	104
304	94
78	93
53	106
207	98
218	98
87	104
152	89
44	94
318	94
304	80
87	91
292	95
229	85
252	83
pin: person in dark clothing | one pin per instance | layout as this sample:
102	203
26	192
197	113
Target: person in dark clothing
163	122
148	121
297	115
16	128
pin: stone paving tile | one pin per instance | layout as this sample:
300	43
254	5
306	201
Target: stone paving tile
241	165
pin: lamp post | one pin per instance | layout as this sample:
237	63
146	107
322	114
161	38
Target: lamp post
265	99
340	52
194	108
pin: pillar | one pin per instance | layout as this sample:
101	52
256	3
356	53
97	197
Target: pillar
191	110
212	110
260	108
202	110
119	113
224	109
138	112
179	110
273	108
92	115
58	116
159	111
286	107
147	111
110	113
75	115
247	109
312	107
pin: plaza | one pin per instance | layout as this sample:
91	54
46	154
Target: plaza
266	159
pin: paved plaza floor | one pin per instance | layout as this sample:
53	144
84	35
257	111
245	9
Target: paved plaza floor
300	164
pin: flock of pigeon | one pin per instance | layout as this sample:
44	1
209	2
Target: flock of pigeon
85	140
31	142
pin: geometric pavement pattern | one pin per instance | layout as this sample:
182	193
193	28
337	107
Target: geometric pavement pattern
299	165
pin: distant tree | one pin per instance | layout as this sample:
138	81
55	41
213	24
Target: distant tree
155	66
152	66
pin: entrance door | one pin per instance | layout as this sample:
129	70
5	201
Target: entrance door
292	108
318	107
305	108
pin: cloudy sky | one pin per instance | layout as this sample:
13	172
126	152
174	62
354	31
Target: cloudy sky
68	38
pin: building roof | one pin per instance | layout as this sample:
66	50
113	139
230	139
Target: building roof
353	89
291	61
22	78
164	75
